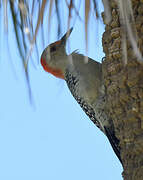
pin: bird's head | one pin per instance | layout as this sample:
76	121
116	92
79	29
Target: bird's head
54	57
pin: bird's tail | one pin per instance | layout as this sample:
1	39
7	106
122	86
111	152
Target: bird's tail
114	142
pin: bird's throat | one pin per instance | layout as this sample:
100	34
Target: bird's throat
56	72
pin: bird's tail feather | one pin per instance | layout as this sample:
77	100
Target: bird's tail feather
114	142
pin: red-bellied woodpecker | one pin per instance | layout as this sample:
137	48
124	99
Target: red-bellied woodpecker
85	82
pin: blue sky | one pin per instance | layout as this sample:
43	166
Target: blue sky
53	139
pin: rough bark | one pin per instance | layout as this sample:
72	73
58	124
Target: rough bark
124	83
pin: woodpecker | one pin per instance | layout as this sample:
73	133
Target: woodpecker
85	82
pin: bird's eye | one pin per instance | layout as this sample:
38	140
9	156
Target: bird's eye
52	49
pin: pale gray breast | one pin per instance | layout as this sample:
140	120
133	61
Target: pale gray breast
73	85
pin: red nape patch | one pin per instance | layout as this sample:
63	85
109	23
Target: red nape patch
56	72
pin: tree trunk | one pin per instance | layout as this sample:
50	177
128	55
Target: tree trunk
124	83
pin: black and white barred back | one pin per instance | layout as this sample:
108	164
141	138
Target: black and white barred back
96	116
72	83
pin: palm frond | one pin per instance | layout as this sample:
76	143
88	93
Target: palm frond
28	19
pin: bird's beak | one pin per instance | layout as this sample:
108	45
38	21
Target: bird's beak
66	36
